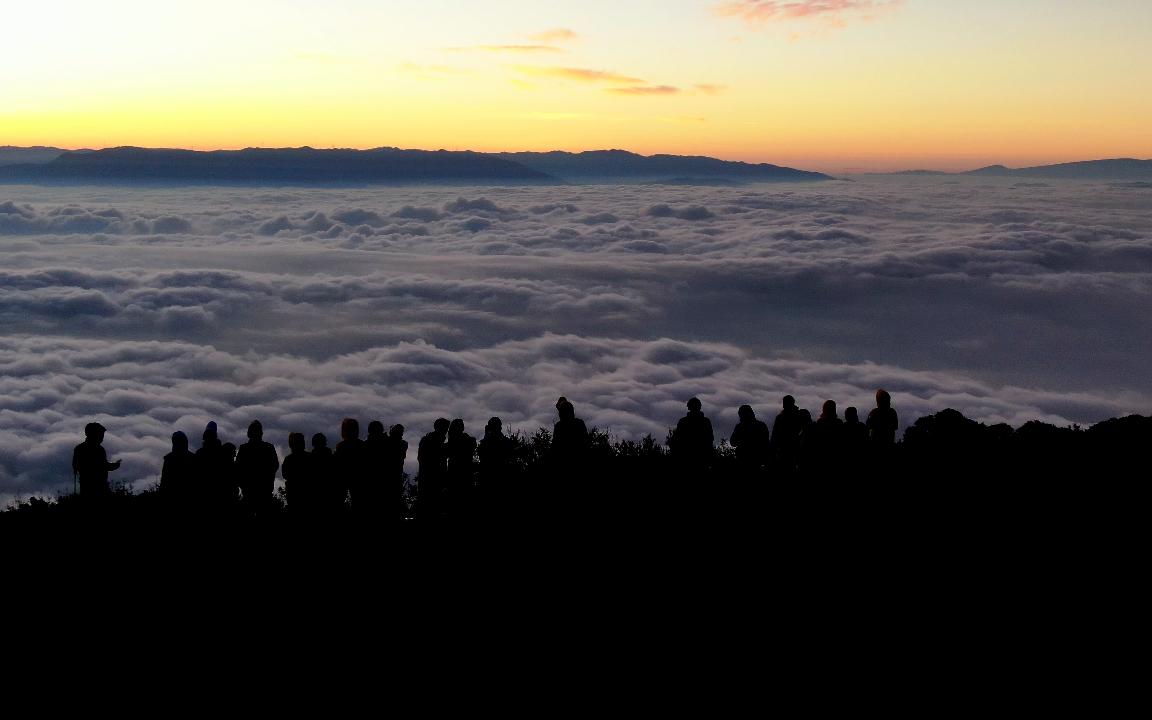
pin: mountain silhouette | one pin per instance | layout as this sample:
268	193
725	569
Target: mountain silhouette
276	166
617	165
11	155
1114	169
379	166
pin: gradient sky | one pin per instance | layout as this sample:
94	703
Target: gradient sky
822	84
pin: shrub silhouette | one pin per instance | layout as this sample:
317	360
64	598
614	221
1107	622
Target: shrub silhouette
946	463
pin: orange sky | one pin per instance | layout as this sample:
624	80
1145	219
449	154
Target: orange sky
835	86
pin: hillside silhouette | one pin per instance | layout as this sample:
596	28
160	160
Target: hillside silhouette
621	165
304	166
276	166
836	467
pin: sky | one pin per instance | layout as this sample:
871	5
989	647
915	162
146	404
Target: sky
832	85
151	310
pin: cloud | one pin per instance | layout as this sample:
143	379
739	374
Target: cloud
143	390
837	12
580	74
300	306
646	90
691	212
709	88
515	49
555	35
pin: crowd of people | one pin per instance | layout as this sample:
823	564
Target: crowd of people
459	475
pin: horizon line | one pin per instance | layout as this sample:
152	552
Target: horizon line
857	170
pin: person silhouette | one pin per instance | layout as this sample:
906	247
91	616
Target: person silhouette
692	441
855	436
570	439
375	485
823	442
568	457
353	469
750	438
296	471
806	445
227	481
461	450
90	464
395	452
330	493
256	466
430	480
882	421
215	481
178	475
495	453
786	436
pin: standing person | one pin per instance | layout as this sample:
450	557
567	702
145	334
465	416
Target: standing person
823	443
751	439
882	421
691	448
178	476
352	467
567	490
495	452
693	439
855	437
215	479
461	450
375	488
228	482
90	463
395	452
256	466
882	425
433	459
570	439
330	493
786	436
297	473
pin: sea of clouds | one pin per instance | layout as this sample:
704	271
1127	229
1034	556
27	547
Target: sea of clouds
153	310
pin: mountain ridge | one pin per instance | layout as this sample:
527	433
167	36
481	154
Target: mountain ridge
1104	169
384	165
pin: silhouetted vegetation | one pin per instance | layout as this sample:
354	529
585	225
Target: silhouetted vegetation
944	463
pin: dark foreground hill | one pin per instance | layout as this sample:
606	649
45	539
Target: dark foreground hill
947	467
306	166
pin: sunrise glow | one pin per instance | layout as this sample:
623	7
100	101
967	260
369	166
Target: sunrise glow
825	86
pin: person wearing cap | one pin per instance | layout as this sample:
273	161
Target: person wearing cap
90	462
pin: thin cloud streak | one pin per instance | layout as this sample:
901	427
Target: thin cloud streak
524	49
646	90
555	35
581	74
838	12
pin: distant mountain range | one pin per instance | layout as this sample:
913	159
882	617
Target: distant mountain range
308	166
288	166
10	155
614	165
1115	169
